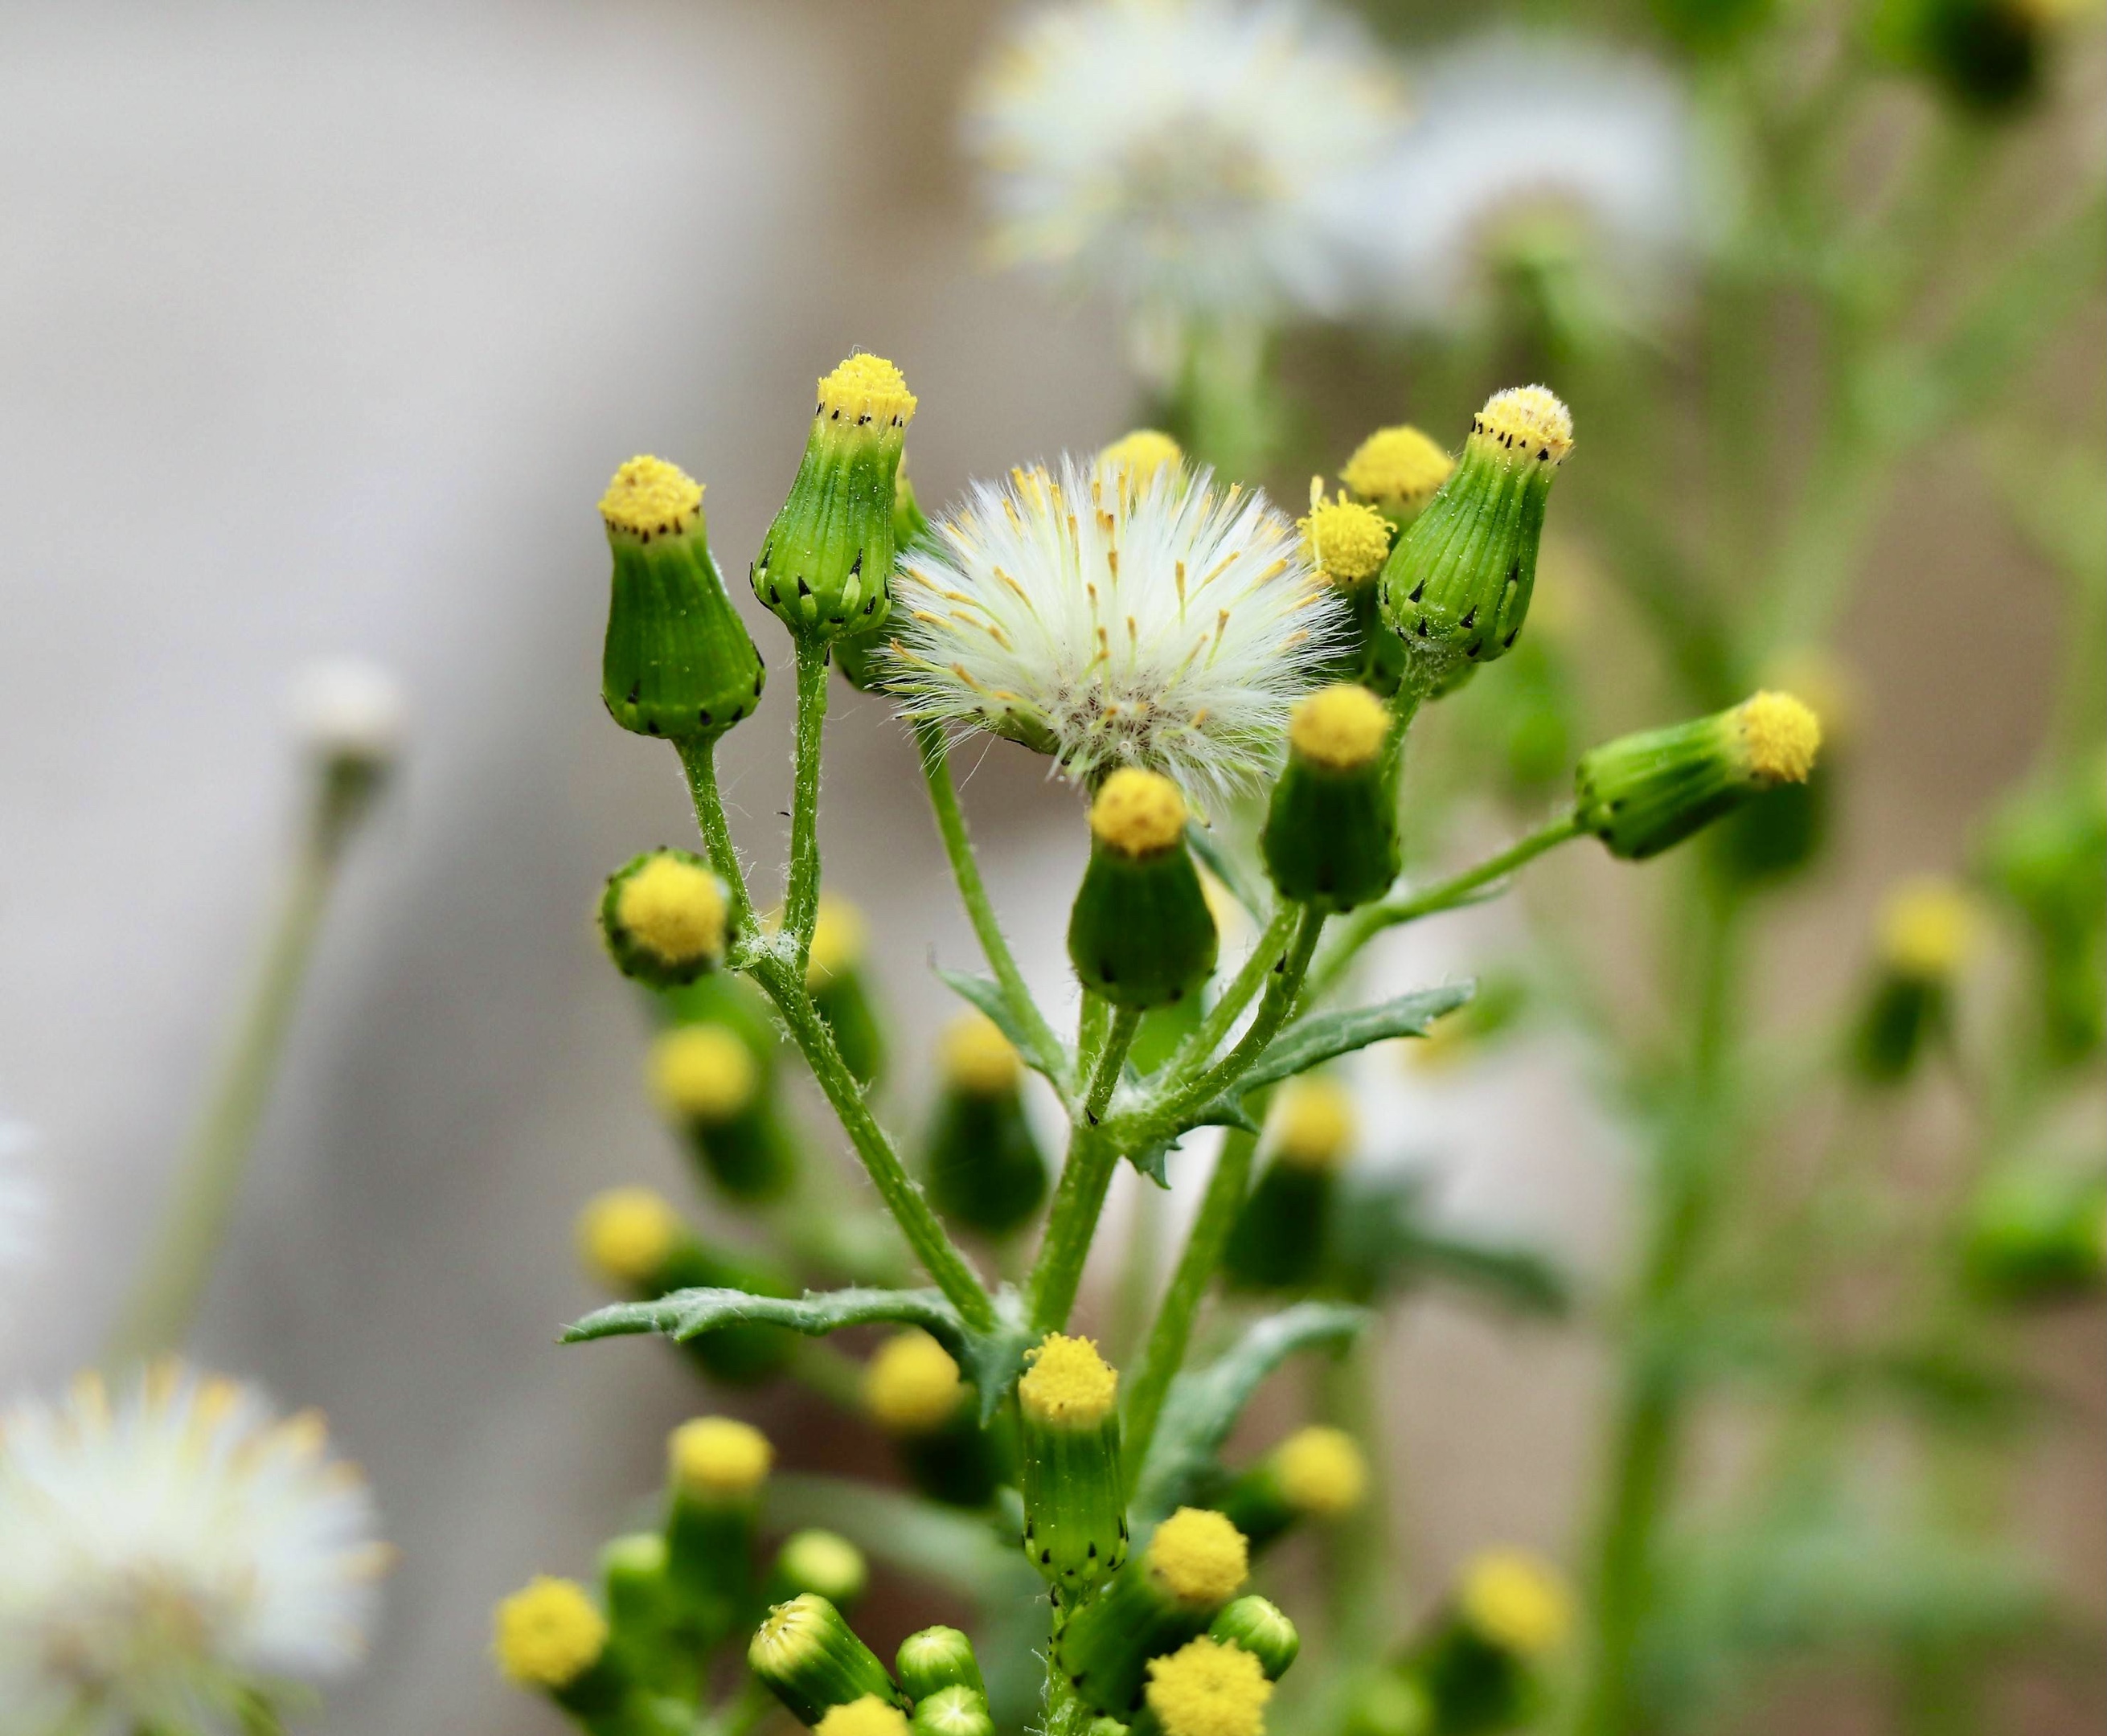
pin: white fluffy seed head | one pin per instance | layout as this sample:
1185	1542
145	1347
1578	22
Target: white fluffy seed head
1177	153
167	1550
1162	622
349	708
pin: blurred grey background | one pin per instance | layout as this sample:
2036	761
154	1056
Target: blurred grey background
320	330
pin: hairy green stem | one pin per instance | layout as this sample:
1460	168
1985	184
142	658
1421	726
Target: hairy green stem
1371	920
1086	1178
980	910
1198	1049
940	1257
1164	1353
699	760
801	898
165	1301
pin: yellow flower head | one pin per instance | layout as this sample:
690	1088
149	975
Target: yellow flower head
1783	736
650	497
718	1458
912	1385
1137	813
1068	1384
1138	456
1342	728
1528	422
1199	1557
1312	1123
1398	468
674	907
1322	1472
549	1633
703	1072
625	1234
864	390
1928	928
1347	542
976	1058
1516	1601
1207	1689
868	1717
839	936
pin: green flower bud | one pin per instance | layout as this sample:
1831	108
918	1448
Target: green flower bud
913	1390
1261	1629
1316	1474
708	1081
1391	1703
1510	1612
1397	471
824	1562
860	657
1347	542
813	1661
2043	853
678	662
1455	588
551	1636
663	915
826	567
1330	831
1164	1597
1279	1239
2037	1236
1075	1495
1140	934
980	1160
936	1658
715	1468
833	977
1642	793
953	1711
1927	931
640	1604
634	1242
1987	56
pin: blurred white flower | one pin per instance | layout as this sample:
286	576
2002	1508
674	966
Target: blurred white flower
1172	152
349	708
1531	151
167	1556
1109	616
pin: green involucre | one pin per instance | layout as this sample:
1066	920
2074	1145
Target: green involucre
1140	934
678	663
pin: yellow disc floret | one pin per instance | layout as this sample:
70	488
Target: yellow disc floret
1207	1689
866	389
868	1717
1312	1123
626	1233
839	936
1783	736
912	1385
1515	1601
1068	1384
703	1072
1398	468
650	497
1322	1472
1347	542
1528	422
549	1633
976	1058
1137	813
674	907
1138	456
1927	930
1199	1557
1341	727
718	1458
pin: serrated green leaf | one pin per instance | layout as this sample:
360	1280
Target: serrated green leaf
1222	1112
1318	1037
1204	1404
992	1359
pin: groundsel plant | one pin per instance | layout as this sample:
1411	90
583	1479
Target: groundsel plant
1166	636
177	1558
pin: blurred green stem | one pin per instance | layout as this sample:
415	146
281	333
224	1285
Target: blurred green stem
158	1316
698	761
